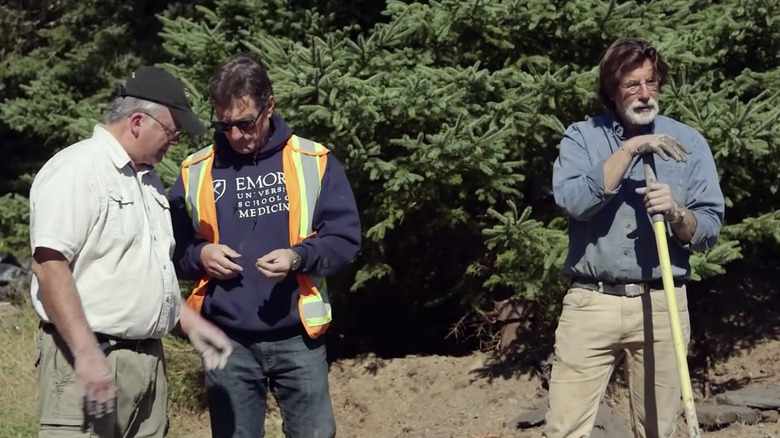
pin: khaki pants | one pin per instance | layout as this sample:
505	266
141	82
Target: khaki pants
595	331
141	396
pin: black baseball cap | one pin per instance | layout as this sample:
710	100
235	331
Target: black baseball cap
157	85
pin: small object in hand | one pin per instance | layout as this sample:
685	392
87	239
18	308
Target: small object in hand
99	417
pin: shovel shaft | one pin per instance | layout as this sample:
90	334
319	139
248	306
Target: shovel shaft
659	228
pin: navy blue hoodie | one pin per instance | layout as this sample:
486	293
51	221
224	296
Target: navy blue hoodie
253	217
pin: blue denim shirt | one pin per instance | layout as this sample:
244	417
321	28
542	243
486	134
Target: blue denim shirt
610	233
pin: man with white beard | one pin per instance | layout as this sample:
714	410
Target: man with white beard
615	307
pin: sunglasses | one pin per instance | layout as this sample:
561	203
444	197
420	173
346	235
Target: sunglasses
243	125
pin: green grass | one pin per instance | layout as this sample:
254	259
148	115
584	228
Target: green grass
22	431
18	378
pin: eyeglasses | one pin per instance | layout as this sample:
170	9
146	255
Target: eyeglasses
171	134
633	87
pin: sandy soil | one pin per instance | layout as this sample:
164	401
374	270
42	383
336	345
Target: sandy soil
437	397
450	397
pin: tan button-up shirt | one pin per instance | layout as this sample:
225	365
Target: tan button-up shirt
113	225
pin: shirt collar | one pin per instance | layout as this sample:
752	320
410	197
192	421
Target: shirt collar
619	131
116	152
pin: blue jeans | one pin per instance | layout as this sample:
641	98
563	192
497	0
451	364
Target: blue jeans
295	370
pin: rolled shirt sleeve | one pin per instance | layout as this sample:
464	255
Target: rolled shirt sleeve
578	183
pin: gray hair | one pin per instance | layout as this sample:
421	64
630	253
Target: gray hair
121	107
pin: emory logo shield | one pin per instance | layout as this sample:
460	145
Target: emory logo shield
219	189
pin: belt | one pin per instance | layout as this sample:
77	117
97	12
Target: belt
621	289
107	343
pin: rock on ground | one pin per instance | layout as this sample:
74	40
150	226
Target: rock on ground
608	423
712	417
760	397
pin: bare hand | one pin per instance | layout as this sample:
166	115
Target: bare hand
95	375
276	264
210	342
215	260
662	145
658	200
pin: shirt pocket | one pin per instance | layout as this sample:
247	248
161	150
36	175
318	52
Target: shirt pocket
160	216
162	210
123	212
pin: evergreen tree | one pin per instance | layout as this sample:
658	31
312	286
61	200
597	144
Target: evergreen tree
59	62
447	115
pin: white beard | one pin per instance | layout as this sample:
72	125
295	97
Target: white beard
643	118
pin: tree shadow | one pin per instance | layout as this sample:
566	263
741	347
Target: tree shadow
731	313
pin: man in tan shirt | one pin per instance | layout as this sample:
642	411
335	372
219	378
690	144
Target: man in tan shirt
104	286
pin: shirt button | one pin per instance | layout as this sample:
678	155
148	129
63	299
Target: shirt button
625	252
165	267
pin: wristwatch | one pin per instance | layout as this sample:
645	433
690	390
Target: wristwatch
296	261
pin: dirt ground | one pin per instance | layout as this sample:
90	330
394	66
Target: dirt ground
438	397
448	397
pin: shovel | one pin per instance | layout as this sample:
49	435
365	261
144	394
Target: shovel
659	227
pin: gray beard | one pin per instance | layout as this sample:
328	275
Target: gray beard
641	119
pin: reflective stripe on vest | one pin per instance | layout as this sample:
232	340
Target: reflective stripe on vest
315	309
193	185
309	177
304	163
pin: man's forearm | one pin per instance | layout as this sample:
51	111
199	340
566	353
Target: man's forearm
686	228
62	304
186	317
615	167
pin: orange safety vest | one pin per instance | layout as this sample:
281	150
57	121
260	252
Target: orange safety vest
303	164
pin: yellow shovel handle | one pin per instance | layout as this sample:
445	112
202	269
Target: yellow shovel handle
659	227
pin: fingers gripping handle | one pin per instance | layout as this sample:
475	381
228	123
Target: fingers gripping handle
647	160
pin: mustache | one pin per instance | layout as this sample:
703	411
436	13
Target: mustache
651	103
